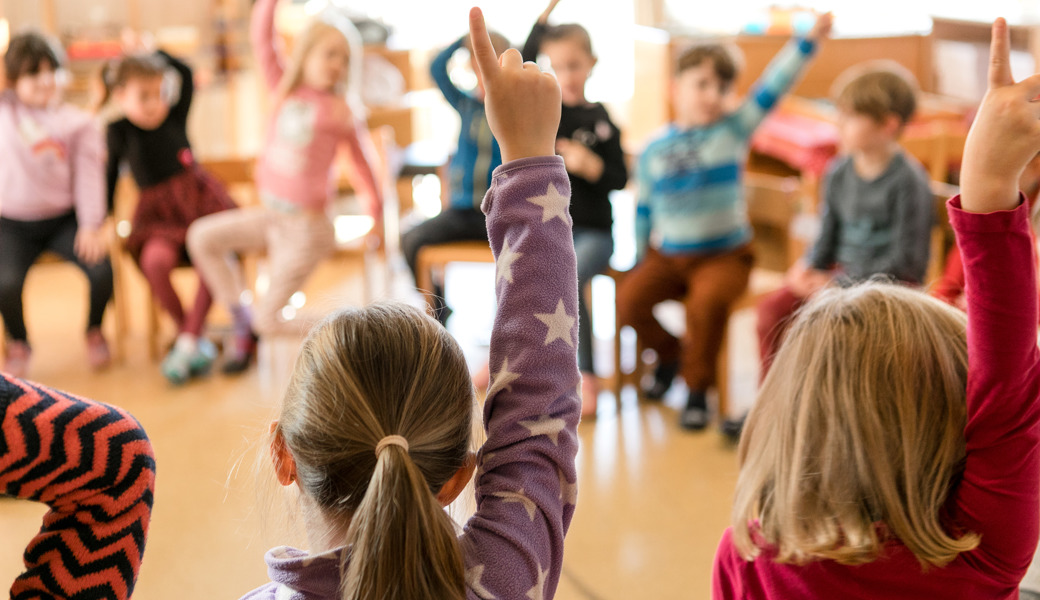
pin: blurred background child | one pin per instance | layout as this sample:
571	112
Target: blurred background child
312	119
590	145
52	193
152	138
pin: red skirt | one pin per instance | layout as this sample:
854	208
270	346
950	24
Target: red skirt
167	209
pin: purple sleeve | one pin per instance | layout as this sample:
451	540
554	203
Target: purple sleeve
88	177
998	495
526	482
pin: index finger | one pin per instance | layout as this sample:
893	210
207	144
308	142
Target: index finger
484	57
1000	55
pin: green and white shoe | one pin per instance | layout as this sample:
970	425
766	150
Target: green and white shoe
201	360
176	367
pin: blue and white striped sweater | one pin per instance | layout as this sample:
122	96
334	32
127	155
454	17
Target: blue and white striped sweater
690	181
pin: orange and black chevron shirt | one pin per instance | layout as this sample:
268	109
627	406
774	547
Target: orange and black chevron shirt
92	464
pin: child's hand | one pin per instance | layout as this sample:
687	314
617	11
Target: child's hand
821	29
1005	135
579	160
523	104
90	245
544	18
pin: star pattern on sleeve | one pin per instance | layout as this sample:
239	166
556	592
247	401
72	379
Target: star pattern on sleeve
502	380
538	591
560	325
504	264
554	205
520	498
473	577
568	491
547	426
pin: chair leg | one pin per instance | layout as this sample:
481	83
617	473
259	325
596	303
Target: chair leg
722	376
153	327
118	305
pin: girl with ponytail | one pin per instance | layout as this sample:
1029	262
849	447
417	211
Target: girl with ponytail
374	429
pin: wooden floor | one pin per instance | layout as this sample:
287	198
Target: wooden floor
653	500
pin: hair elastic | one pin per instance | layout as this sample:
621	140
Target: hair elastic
391	440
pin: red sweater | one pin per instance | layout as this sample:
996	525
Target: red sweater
998	494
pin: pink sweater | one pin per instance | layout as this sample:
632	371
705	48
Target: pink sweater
52	160
305	132
998	494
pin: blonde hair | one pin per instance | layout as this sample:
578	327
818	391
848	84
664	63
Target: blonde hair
362	375
857	436
325	24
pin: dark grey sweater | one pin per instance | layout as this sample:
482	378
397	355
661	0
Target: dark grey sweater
878	227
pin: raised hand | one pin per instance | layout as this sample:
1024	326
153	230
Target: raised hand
544	18
1005	135
821	29
522	103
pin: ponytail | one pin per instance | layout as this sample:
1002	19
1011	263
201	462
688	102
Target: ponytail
403	543
361	374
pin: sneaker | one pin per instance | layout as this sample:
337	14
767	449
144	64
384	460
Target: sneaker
17	363
732	428
201	360
176	367
98	354
241	353
694	417
589	395
663	376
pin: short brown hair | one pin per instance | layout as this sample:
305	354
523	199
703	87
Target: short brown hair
27	53
877	91
498	41
569	31
722	60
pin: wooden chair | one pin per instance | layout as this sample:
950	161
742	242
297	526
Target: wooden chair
772	203
942	232
437	256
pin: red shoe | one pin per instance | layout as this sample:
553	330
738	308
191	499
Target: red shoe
17	363
240	355
98	355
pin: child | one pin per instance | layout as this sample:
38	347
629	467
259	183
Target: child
93	465
691	201
377	414
469	172
152	138
311	121
877	207
893	452
590	145
52	194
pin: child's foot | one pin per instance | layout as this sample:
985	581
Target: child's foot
17	362
589	395
694	416
732	428
176	367
201	360
238	357
482	378
663	376
98	354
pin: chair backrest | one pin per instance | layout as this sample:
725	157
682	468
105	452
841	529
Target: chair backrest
239	177
772	204
942	232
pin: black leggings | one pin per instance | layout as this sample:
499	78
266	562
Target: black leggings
21	243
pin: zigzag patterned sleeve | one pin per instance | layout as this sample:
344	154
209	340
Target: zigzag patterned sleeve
92	464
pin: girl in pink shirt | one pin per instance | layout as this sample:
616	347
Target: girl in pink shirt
52	193
311	121
895	448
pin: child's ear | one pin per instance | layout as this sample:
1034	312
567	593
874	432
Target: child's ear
892	125
454	486
284	463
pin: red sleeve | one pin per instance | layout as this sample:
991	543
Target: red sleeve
725	581
998	495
